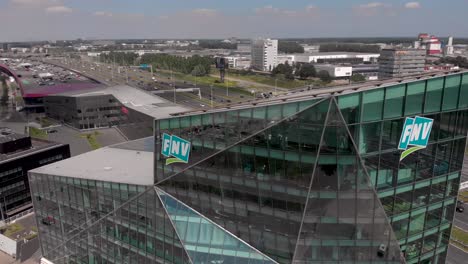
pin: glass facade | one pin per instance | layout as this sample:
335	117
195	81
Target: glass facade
309	181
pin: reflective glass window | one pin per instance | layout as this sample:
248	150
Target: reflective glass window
394	98
463	102
391	132
452	86
414	98
369	137
372	103
433	95
349	106
447	125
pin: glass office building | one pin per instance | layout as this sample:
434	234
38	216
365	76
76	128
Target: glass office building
315	178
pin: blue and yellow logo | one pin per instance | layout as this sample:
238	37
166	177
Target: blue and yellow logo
416	132
175	147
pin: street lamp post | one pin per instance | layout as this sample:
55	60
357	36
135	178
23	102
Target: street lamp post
1	207
276	84
173	84
227	86
211	96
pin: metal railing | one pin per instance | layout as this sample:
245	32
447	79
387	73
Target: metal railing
13	218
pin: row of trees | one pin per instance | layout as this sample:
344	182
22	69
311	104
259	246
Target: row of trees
300	70
349	47
120	58
462	62
289	47
216	44
195	65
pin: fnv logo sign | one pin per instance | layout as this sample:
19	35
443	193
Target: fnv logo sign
416	132
175	147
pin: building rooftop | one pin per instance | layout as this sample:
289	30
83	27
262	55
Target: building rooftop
37	145
7	136
303	94
130	162
136	99
332	53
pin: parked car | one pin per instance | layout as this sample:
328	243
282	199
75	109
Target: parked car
460	208
49	220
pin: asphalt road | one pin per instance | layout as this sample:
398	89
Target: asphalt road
143	80
456	256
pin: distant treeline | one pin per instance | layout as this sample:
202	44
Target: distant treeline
390	40
179	64
216	44
462	62
120	58
349	47
289	47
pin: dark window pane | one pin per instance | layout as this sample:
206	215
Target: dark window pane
414	98
433	95
452	86
463	102
372	104
394	97
349	105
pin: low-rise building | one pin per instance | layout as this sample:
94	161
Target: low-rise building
335	71
19	154
336	57
238	62
400	62
108	106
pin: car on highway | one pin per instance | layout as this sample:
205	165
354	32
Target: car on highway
51	131
460	208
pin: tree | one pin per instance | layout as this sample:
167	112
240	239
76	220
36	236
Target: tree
177	63
289	76
290	47
4	98
324	76
216	44
349	47
358	78
282	69
199	70
305	71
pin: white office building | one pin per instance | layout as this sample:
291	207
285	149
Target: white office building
335	71
264	54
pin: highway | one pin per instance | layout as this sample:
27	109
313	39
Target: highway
135	77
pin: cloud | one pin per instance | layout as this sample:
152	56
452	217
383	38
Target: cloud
311	8
103	14
204	12
269	9
374	9
36	3
58	9
413	5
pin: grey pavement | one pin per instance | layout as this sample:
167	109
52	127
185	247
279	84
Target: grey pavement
78	144
68	135
456	256
27	222
7	259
